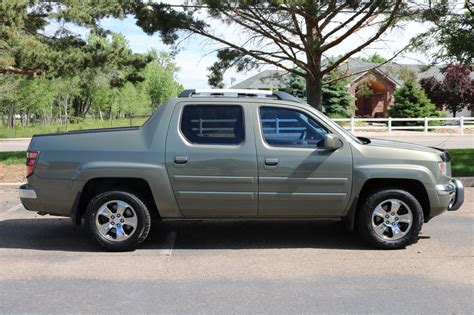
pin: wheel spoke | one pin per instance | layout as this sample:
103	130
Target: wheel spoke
395	206
405	218
105	228
131	221
105	211
380	212
396	230
380	229
120	234
121	208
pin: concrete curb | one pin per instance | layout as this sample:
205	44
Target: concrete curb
15	139
10	185
467	181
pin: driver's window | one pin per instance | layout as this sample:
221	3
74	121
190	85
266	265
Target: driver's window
290	128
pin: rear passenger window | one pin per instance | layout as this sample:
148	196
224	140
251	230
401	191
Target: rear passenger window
213	124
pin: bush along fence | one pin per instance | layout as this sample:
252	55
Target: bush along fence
389	124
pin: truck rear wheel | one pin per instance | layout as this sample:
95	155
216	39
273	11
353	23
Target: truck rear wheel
118	220
390	219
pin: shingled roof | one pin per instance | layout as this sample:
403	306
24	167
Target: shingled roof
264	80
277	79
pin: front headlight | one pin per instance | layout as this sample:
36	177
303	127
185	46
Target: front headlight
443	168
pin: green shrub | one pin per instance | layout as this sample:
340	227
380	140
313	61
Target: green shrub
412	102
337	101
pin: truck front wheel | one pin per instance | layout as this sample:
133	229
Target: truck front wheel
390	219
117	220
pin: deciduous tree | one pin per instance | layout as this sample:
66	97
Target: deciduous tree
452	33
455	92
160	80
292	35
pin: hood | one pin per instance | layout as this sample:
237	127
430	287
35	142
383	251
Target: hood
403	145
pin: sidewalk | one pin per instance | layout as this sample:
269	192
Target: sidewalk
17	144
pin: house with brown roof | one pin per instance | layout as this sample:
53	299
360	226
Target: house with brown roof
381	81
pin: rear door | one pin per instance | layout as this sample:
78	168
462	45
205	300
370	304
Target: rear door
211	160
297	176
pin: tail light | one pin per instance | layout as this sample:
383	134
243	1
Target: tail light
31	159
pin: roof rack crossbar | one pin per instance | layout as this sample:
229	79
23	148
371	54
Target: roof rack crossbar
239	93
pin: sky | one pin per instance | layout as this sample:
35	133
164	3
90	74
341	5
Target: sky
197	54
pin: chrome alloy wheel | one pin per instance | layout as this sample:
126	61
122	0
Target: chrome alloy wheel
116	220
392	219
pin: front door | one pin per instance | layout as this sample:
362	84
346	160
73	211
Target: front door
211	160
297	176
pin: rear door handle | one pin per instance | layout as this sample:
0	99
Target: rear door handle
180	160
271	162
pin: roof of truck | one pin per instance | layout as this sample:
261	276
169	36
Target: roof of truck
239	93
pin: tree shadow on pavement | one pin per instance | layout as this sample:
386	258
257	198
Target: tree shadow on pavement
58	234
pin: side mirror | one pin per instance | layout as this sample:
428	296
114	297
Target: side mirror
332	142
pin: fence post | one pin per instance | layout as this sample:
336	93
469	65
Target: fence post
389	124
461	124
352	124
426	124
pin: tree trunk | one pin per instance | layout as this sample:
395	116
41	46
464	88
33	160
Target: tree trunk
314	80
65	104
11	118
314	92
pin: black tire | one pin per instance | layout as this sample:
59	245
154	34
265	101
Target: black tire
364	219
142	218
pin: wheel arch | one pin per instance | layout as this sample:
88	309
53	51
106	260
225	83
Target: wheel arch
94	186
413	186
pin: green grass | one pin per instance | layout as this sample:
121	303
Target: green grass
463	162
18	157
26	132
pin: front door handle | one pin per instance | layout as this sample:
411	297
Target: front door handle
180	160
271	162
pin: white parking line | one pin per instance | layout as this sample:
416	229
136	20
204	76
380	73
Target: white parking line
14	208
10	210
170	241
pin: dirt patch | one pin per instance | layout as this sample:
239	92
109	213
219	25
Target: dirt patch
14	173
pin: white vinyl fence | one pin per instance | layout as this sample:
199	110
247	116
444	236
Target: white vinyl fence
387	123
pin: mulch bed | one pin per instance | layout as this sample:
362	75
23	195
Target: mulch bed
14	173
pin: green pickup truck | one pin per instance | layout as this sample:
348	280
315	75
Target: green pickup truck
237	155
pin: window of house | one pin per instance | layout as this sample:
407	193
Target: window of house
290	128
213	124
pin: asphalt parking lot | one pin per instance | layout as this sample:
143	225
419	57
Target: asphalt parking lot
234	267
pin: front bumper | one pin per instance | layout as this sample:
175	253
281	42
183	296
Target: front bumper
455	190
